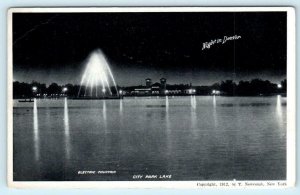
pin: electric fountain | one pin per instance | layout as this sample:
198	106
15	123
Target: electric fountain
97	81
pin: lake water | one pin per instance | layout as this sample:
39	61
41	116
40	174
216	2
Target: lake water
190	138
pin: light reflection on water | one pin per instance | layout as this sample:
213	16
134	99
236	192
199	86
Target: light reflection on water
121	112
215	111
67	129
279	113
168	127
193	113
167	114
193	102
36	131
121	106
104	115
279	107
190	137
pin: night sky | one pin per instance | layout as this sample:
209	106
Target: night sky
52	47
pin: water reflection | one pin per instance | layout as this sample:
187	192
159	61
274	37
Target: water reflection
121	112
193	102
215	111
193	113
121	107
214	101
176	147
279	107
168	128
104	115
279	111
67	129
167	114
36	131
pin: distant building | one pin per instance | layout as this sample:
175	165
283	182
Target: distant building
142	91
190	91
159	88
174	90
155	88
148	82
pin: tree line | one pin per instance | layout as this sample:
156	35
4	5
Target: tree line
255	87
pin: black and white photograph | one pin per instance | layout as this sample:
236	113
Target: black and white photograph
152	95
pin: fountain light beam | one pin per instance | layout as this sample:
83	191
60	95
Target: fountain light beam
81	82
86	86
96	91
91	85
103	59
97	74
113	80
105	82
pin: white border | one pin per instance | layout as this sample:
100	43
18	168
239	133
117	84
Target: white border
291	103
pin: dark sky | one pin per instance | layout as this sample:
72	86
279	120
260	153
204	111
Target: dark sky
52	47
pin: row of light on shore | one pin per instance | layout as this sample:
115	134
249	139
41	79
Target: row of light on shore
215	92
190	91
65	89
34	89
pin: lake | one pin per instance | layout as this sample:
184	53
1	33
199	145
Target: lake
189	138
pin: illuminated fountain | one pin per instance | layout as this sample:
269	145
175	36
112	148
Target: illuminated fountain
97	79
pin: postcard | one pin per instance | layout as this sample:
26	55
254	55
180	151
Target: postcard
151	97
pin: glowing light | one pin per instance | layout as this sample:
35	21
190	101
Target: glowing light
191	91
216	92
279	86
120	92
34	88
166	91
65	89
97	75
